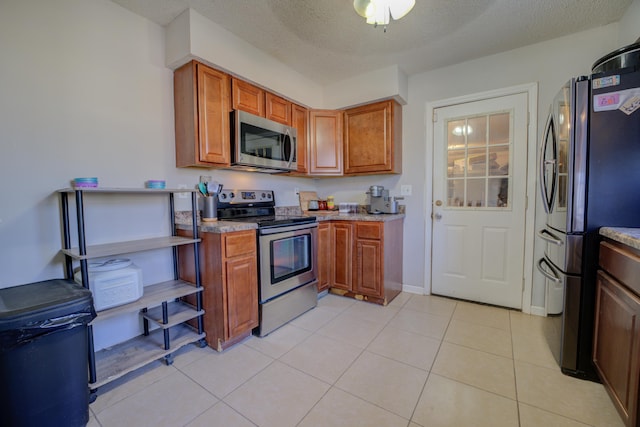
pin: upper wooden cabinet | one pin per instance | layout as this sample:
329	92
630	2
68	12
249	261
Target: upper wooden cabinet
278	109
373	138
300	121
325	142
202	107
247	97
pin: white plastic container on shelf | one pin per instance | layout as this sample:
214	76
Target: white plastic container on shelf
113	282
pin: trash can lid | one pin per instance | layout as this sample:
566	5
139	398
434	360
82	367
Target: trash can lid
56	296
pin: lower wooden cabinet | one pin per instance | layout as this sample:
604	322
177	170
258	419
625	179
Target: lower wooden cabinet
361	259
616	352
342	254
324	255
228	264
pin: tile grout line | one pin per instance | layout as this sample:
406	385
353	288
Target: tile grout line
413	413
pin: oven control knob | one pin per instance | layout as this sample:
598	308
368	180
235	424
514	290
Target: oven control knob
223	195
264	195
232	195
268	195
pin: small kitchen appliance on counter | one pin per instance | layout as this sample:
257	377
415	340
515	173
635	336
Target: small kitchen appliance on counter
380	202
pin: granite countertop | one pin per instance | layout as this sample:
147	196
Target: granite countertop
627	236
184	222
337	216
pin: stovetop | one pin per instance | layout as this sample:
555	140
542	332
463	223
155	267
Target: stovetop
255	206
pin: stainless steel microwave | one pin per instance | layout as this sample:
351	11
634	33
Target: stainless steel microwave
262	145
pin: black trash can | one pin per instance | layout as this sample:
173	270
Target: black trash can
43	354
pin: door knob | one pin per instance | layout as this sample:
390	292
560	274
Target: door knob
437	216
438	202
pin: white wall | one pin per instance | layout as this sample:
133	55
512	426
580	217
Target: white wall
630	25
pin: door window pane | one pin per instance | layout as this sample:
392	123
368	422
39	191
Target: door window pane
478	157
477	131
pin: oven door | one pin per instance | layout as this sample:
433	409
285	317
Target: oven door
287	258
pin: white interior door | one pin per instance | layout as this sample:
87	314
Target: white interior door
479	200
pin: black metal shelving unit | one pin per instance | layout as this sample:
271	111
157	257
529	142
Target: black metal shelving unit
162	303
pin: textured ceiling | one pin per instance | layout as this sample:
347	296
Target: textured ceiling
326	40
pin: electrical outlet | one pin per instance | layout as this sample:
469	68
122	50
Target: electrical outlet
183	195
405	190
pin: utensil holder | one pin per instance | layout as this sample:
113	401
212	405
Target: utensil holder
209	208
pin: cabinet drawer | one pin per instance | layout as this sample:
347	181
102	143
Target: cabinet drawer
240	243
368	230
621	264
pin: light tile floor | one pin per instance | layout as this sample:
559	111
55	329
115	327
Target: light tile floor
421	361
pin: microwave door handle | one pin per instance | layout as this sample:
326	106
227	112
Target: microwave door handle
287	140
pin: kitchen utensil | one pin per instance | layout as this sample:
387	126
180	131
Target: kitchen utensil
213	187
203	188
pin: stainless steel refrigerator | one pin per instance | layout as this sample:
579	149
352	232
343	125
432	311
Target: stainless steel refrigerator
589	178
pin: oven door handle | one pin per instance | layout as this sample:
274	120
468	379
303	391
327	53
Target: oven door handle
288	228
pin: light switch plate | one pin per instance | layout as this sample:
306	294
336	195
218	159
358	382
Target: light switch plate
405	190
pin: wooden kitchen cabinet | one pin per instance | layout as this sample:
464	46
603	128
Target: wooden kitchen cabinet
325	142
365	259
248	97
324	255
277	109
228	263
202	107
367	265
342	255
373	138
616	350
300	121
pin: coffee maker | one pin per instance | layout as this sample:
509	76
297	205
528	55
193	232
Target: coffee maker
380	202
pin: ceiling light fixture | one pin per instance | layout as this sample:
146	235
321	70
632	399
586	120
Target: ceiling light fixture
378	12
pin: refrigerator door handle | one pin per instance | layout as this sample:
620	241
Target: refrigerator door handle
548	236
553	276
548	197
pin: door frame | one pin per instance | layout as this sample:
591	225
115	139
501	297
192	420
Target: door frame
531	89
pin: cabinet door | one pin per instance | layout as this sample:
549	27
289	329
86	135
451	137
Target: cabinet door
300	121
324	255
242	295
277	109
341	241
373	138
213	107
367	274
325	142
616	351
201	107
247	97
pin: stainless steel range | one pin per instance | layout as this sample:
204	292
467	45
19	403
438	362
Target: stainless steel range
287	257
